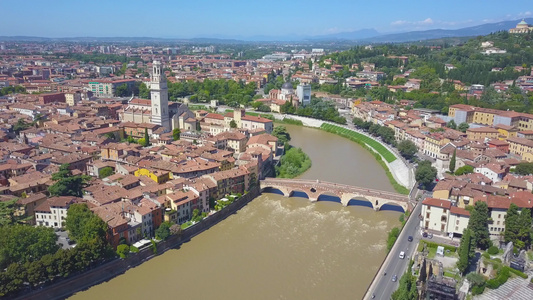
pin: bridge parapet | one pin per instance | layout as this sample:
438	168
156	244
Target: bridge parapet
316	188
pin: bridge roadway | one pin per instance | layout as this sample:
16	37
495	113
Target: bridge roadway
316	188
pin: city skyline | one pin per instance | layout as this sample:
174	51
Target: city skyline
242	19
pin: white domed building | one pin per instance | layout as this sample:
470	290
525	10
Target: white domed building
521	27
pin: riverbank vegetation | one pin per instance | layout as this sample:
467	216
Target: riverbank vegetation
30	256
372	146
293	163
360	139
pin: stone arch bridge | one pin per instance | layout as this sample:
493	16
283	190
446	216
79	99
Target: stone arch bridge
316	188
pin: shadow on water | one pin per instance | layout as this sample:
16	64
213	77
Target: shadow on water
329	198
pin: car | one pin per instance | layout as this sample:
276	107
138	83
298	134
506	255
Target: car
402	255
409	238
394	278
425	234
430	235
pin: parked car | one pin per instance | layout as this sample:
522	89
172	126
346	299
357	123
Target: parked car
394	278
425	234
430	235
409	238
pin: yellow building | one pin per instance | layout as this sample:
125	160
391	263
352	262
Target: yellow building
482	133
433	143
505	132
156	175
521	147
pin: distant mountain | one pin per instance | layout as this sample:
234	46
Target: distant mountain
483	29
350	35
359	36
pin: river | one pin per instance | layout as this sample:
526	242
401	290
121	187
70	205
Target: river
277	247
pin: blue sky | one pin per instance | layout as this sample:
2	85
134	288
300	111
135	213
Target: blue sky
244	18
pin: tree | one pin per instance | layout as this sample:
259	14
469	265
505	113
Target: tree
282	134
176	133
20	125
24	243
407	149
451	124
66	184
524	234
425	173
83	225
512	227
466	251
163	232
463	127
524	168
407	288
144	91
233	124
105	172
466	169
122	91
453	160
146	138
391	239
478	223
123	250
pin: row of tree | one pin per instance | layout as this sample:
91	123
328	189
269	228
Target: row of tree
317	108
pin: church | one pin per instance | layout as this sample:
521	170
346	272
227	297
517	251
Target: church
157	110
521	27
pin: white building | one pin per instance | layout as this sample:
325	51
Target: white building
53	212
303	91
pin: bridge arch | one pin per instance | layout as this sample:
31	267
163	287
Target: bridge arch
274	190
298	193
360	202
329	196
393	206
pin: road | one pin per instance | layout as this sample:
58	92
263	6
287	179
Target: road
383	287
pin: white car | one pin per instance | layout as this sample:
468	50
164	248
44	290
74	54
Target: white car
402	255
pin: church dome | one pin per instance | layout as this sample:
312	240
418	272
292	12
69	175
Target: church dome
522	24
287	85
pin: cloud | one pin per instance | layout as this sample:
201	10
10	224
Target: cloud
525	14
427	21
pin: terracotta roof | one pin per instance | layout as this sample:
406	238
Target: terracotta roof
437	202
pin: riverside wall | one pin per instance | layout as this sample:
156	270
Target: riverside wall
105	272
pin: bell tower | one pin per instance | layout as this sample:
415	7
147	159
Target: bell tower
159	97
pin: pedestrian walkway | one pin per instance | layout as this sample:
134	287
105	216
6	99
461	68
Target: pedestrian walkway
515	289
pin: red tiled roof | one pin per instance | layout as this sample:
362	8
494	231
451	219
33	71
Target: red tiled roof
437	202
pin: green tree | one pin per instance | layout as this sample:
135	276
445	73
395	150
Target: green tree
23	243
233	124
163	232
478	223
176	133
146	138
425	173
105	172
144	91
392	237
407	288
524	168
512	227
453	160
122	91
463	127
466	251
83	225
66	184
123	250
20	125
282	134
466	169
407	149
524	234
451	124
